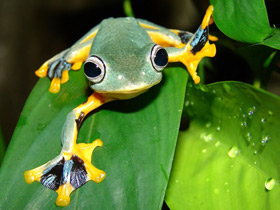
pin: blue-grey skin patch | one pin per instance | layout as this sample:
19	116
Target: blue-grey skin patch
199	40
185	36
56	67
72	170
51	177
78	175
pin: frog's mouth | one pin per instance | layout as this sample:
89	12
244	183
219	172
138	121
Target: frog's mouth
129	92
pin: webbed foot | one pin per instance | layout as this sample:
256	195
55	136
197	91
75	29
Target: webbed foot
68	171
57	70
197	47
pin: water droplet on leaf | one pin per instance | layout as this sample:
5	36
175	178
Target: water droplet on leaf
217	144
265	139
232	153
206	137
208	125
269	184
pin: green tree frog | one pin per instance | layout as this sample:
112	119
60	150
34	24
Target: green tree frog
123	57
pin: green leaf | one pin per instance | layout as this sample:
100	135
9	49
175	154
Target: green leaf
245	21
229	156
273	40
2	146
139	138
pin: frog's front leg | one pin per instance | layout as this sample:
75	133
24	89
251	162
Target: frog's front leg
57	68
72	167
183	46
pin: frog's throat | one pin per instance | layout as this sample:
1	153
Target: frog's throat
127	93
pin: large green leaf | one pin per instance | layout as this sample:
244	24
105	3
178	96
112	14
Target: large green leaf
273	40
2	146
229	156
245	21
139	138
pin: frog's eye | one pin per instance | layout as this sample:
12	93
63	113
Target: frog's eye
94	69
159	57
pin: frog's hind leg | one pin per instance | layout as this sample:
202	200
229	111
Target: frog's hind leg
72	167
67	172
196	48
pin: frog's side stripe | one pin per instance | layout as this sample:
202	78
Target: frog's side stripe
70	171
199	40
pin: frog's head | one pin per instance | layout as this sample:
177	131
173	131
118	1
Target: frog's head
127	74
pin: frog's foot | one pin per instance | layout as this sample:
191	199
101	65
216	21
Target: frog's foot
58	72
197	47
192	55
68	171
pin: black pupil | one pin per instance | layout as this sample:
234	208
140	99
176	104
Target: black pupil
161	57
92	70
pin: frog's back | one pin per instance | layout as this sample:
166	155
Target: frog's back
117	33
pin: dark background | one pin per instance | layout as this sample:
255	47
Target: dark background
32	31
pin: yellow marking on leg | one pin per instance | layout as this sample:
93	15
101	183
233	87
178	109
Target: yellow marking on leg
76	66
190	60
95	100
95	174
79	57
164	40
64	77
89	37
55	85
87	149
84	152
64	191
175	31
148	26
33	175
213	38
67	155
207	17
43	70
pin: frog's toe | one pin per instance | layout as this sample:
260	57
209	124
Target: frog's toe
56	82
77	65
67	172
64	191
57	70
93	173
43	70
64	77
55	85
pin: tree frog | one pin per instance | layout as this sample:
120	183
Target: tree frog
123	57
